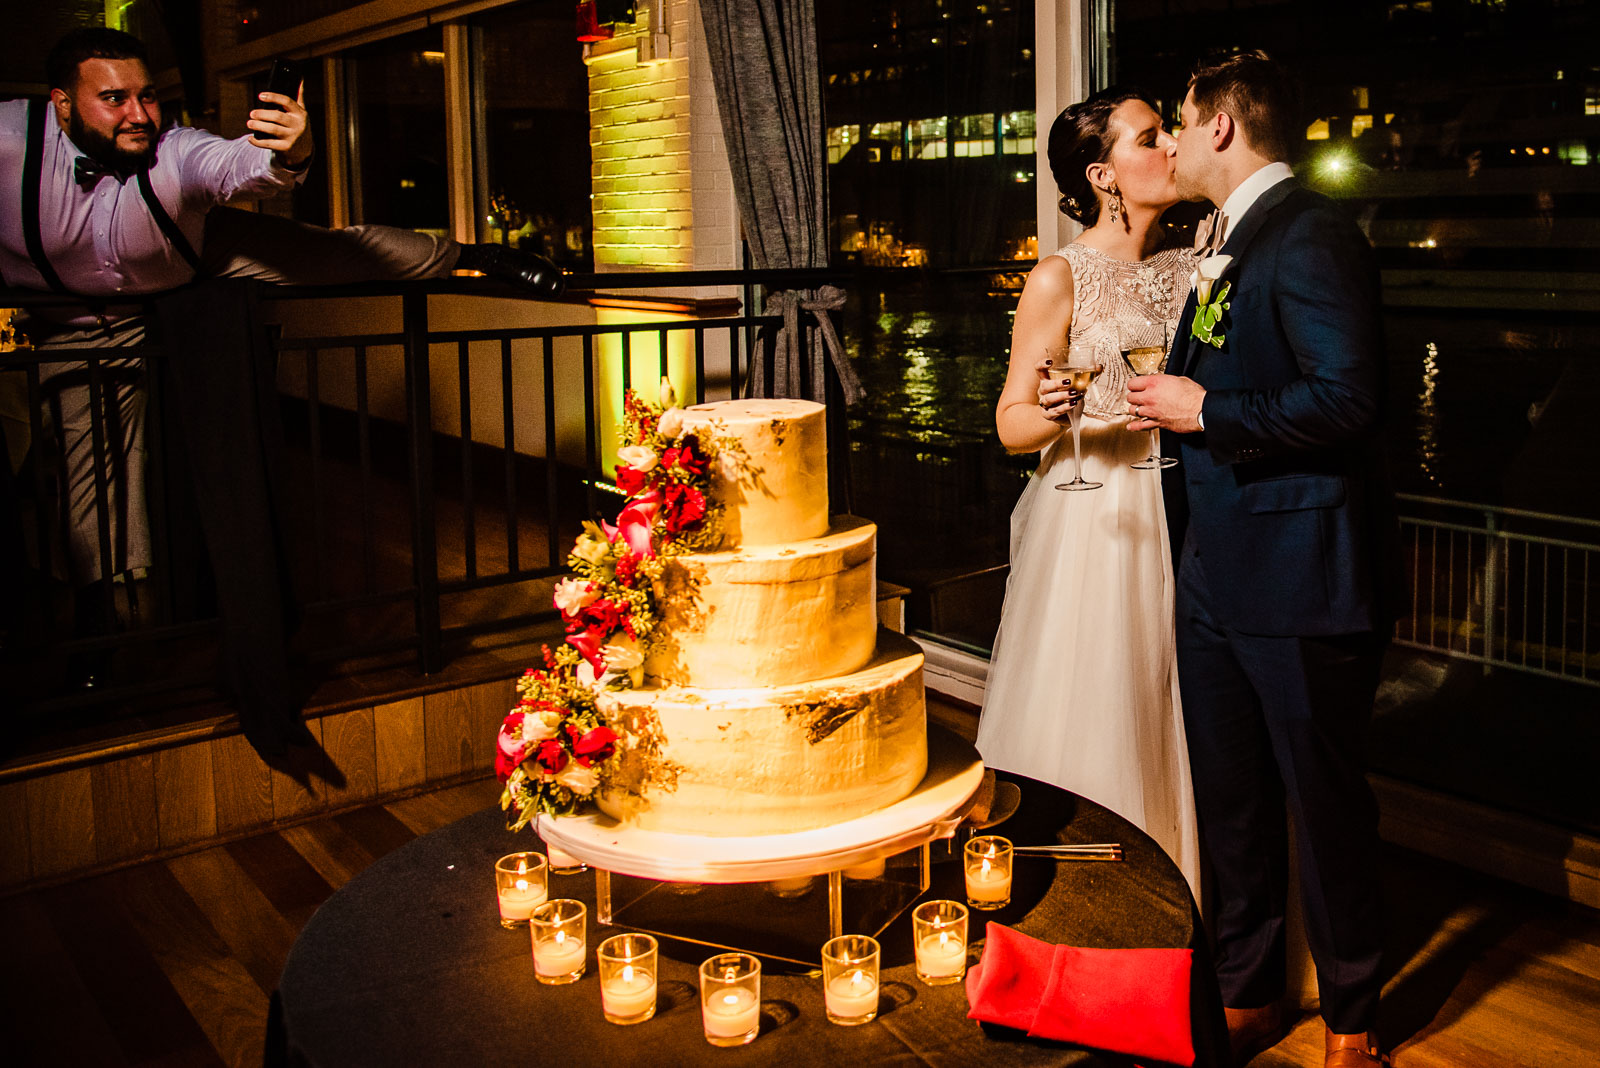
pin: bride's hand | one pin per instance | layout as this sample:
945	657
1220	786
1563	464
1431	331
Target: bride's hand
1056	398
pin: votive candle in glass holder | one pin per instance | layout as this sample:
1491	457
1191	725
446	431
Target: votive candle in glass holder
988	868
850	979
559	930
939	933
521	881
627	964
871	869
562	862
730	998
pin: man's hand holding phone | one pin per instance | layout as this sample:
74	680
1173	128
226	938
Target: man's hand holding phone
280	122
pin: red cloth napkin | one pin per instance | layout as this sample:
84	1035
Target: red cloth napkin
1005	987
1131	1001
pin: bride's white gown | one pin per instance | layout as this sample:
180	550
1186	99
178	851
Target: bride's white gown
1083	685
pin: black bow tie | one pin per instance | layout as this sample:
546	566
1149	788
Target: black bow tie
88	171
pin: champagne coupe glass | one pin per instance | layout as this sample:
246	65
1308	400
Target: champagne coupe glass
1144	350
1082	367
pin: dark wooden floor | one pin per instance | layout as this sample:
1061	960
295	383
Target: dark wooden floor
172	962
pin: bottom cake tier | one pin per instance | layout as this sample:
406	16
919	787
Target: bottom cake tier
771	760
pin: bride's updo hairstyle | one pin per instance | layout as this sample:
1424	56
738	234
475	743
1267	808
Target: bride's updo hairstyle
1082	135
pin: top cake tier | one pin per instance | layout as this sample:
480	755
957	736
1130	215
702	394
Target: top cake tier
777	490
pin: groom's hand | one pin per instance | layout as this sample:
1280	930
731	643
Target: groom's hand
1165	401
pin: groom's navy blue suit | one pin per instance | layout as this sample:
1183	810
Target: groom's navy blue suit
1281	519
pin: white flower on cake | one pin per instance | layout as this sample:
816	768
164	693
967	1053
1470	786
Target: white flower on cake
592	547
1206	273
574	595
671	424
623	659
641	458
577	778
537	728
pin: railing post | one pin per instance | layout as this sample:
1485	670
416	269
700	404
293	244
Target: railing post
1491	587
424	544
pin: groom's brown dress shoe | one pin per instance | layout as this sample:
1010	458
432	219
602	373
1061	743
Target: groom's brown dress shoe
1252	1031
1358	1050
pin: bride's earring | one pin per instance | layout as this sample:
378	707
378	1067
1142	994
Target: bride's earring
1116	205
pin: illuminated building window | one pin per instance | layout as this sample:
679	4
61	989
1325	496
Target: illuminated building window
926	138
885	141
1591	101
1360	125
974	135
397	100
1574	152
1018	133
841	139
1317	131
1358	97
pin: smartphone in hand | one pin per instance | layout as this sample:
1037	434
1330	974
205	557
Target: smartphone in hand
285	78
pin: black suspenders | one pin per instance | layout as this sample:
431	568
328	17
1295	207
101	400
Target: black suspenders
33	167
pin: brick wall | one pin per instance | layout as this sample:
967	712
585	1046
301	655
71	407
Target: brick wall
663	195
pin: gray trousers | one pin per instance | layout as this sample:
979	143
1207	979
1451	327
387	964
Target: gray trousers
238	244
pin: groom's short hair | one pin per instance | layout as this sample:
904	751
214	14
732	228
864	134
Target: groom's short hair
1257	92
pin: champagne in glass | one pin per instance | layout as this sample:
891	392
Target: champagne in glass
1144	350
1083	366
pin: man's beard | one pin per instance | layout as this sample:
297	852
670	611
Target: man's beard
103	150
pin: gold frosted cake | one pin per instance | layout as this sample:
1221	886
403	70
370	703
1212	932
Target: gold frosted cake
773	703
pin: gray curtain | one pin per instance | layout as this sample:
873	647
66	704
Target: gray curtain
763	57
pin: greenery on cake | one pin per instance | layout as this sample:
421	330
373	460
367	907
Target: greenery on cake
555	748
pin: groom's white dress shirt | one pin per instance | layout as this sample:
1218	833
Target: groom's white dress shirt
1249	191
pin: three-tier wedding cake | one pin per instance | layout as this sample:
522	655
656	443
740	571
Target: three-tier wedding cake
773	702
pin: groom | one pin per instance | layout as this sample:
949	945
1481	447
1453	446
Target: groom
1281	518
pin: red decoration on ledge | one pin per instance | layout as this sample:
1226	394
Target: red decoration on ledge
589	26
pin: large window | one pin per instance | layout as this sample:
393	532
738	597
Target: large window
395	89
308	201
533	163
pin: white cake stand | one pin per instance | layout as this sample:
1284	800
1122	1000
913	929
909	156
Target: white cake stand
932	811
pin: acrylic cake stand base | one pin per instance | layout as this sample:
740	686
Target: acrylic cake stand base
719	891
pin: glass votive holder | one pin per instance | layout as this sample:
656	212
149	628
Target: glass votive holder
521	881
988	869
850	979
562	862
559	930
627	964
730	998
939	933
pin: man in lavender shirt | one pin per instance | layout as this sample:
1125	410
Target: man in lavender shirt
100	238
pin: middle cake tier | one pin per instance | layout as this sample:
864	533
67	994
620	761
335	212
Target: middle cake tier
769	615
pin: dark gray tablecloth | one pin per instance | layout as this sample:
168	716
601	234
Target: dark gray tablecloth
408	964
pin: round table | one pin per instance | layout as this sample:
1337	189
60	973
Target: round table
408	964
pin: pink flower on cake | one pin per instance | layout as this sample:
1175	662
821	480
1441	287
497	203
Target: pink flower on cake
631	480
574	595
635	520
550	756
686	458
510	749
587	642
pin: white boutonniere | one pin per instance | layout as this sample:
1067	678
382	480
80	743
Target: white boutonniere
1208	306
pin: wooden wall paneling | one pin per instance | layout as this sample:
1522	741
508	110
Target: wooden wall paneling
400	744
348	739
218	991
297	784
447	729
257	934
436	808
125	822
487	705
61	822
243	785
186	794
15	866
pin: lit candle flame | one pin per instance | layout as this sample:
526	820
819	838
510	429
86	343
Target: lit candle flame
627	973
561	936
859	979
944	939
522	884
730	999
985	869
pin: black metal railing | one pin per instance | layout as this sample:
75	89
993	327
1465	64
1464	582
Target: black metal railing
465	498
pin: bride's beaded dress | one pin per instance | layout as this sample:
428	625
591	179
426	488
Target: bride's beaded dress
1083	688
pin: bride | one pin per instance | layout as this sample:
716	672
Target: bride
1082	690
